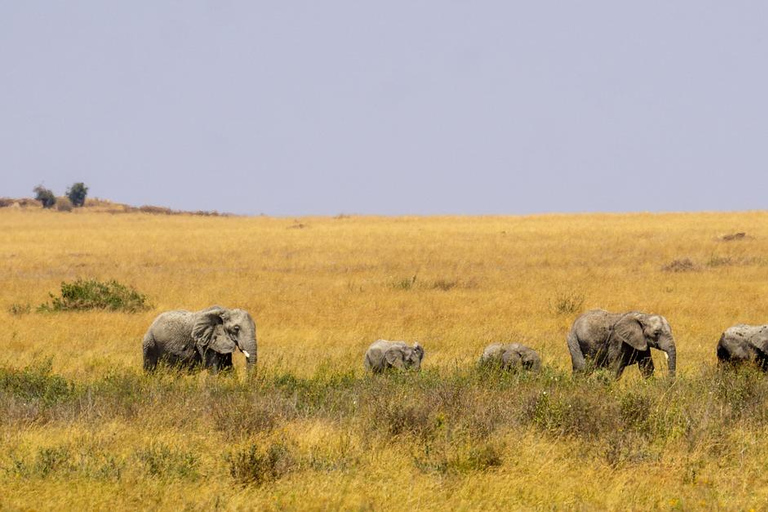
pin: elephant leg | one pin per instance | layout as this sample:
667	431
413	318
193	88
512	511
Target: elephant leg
617	359
226	362
150	355
645	363
577	357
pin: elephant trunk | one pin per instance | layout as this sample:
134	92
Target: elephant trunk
247	344
667	345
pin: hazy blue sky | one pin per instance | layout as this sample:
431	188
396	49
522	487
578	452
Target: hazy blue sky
420	107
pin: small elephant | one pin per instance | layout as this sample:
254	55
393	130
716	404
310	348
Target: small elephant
382	355
744	344
512	356
611	340
209	337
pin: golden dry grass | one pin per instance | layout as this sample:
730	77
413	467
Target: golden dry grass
320	294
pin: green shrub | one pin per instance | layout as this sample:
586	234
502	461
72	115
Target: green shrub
76	193
35	382
48	460
84	294
45	196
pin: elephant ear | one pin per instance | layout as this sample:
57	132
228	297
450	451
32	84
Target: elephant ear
511	358
760	340
629	330
394	357
202	330
419	350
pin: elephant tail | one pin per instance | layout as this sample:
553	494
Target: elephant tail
149	348
367	361
577	357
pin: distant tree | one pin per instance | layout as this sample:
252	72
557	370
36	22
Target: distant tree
44	195
76	193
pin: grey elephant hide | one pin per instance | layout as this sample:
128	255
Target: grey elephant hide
599	339
208	337
383	355
511	356
742	344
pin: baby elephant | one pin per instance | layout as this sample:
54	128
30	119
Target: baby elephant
382	355
744	344
512	356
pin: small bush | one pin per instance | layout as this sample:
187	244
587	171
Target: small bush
680	265
164	462
567	303
444	284
26	202
621	448
453	458
734	236
45	196
585	416
35	382
255	466
155	210
84	294
19	309
242	416
47	461
63	204
6	201
76	193
719	261
405	284
414	419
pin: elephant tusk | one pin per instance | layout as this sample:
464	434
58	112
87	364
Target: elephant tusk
247	354
666	355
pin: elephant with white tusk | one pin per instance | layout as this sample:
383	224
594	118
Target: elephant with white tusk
599	339
511	356
742	344
383	355
208	337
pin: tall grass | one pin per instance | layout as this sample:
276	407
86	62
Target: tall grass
83	427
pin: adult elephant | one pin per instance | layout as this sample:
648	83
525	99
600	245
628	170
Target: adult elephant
744	344
208	337
599	339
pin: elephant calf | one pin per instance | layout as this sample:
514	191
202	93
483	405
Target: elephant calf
383	355
512	356
742	344
599	339
208	337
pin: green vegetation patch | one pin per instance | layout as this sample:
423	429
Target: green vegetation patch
85	294
35	382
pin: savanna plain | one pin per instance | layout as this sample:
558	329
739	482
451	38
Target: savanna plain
83	428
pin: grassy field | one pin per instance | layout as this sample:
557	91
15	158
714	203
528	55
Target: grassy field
81	426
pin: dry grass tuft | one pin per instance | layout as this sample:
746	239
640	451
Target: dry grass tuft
680	265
